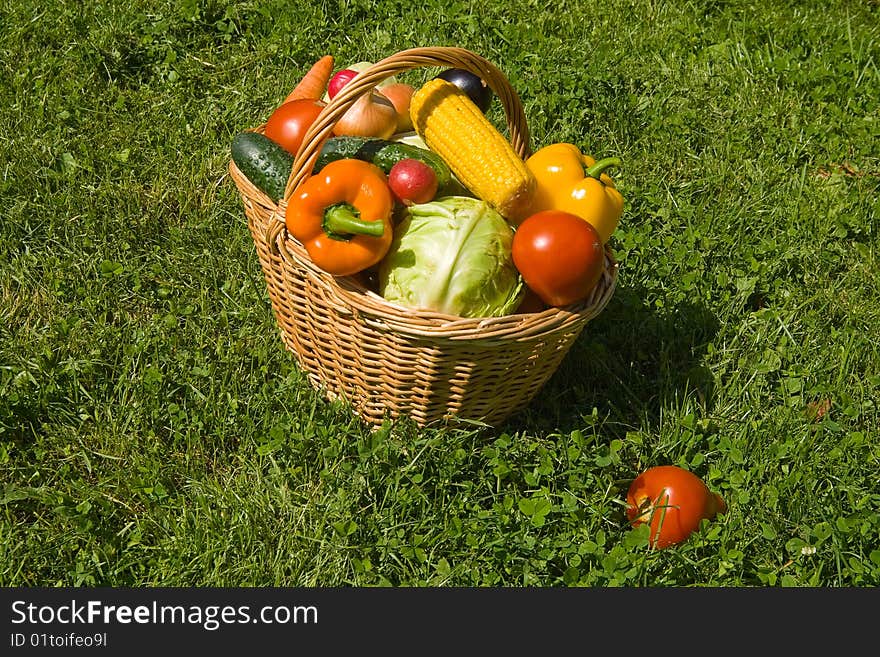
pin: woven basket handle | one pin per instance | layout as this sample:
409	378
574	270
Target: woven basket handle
367	79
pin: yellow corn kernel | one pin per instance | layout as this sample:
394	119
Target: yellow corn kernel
480	157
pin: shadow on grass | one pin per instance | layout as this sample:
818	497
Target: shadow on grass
629	362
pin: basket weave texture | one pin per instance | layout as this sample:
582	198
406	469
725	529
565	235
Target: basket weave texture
387	361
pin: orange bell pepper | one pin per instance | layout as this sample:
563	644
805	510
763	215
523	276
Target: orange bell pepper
573	182
342	216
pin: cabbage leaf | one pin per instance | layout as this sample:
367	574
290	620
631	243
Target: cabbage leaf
452	255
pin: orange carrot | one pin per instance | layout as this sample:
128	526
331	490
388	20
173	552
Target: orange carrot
314	82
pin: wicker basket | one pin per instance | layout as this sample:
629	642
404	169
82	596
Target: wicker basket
385	360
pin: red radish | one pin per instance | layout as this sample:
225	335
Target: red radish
339	80
412	181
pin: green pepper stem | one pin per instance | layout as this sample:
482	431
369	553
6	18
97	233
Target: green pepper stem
599	168
343	219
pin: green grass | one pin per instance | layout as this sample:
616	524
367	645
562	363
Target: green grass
153	431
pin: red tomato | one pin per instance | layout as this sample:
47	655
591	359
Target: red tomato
673	500
559	255
289	122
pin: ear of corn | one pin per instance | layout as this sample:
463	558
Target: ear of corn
480	157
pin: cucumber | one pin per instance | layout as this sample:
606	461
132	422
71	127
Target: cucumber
342	148
266	164
383	153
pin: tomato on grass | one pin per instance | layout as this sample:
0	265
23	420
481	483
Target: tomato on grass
673	501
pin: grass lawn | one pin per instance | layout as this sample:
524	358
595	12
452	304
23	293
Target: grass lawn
153	430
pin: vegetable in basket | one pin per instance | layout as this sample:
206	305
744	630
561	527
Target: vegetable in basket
314	82
412	181
342	216
342	77
453	256
399	93
289	122
384	154
473	85
573	182
372	115
478	154
559	256
263	162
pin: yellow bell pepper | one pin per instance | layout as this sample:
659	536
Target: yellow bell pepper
573	182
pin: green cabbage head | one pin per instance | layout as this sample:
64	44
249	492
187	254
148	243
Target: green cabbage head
452	255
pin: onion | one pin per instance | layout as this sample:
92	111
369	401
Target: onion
372	115
400	94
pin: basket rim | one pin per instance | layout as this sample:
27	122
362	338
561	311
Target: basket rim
514	325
